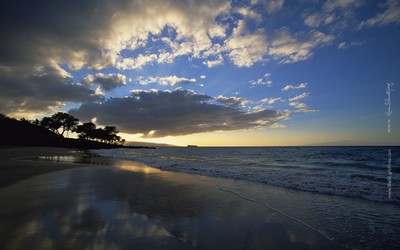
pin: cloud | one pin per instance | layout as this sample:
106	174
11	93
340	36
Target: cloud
66	36
246	48
270	100
202	77
179	112
45	90
99	92
262	81
231	101
270	5
345	45
247	12
317	19
390	15
301	107
107	82
300	86
342	45
332	5
334	16
46	43
278	125
298	97
136	63
219	60
294	102
166	80
288	48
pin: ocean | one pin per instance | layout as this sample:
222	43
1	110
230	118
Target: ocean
351	195
360	172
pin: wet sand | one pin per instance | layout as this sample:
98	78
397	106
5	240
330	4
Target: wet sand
117	204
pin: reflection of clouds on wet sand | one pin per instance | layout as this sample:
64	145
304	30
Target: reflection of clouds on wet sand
112	208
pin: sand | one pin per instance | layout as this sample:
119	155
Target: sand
73	200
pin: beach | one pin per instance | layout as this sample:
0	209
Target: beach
66	199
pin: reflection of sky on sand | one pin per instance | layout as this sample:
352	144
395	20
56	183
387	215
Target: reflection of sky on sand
71	215
138	167
111	208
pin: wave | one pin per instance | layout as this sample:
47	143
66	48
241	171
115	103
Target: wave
295	169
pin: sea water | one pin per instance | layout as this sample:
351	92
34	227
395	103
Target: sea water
362	172
350	195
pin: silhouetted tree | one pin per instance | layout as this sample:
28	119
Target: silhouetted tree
111	134
60	121
34	122
107	134
50	124
85	130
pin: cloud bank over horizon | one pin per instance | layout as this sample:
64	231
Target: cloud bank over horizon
172	113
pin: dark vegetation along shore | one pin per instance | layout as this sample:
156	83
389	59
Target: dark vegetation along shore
49	132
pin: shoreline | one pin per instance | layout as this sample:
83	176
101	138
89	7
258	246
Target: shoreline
191	211
15	164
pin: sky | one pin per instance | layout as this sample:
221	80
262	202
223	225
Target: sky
210	73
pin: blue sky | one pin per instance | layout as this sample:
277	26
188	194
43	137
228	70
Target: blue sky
257	72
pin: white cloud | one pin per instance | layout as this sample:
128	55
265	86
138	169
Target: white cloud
166	80
298	97
246	48
390	15
248	13
232	101
136	63
297	104
278	125
212	63
262	81
300	86
99	92
342	45
289	49
317	19
301	107
270	100
345	45
202	77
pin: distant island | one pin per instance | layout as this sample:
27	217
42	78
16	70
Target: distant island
49	132
192	146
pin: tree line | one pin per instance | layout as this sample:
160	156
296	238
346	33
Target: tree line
60	123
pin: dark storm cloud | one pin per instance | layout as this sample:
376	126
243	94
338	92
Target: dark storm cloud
181	112
37	32
44	90
37	37
107	82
